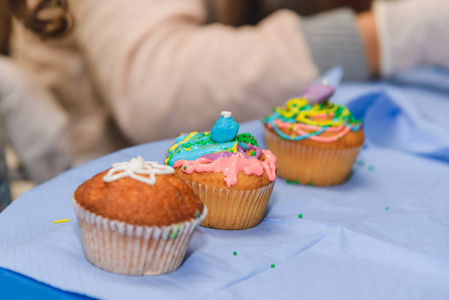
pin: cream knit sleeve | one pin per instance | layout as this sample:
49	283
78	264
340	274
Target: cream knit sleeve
163	72
36	125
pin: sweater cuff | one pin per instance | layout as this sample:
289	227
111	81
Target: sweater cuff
334	39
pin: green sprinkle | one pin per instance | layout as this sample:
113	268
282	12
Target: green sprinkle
339	138
235	252
311	184
185	167
273	265
300	216
230	150
253	153
175	232
296	182
387	208
288	181
371	168
246	138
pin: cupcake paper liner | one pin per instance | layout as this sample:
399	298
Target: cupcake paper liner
128	249
232	209
308	164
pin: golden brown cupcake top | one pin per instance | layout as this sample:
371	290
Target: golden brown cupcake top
168	201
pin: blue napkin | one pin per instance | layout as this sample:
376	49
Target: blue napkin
381	235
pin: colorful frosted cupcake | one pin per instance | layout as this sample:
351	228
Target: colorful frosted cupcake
229	172
316	142
137	218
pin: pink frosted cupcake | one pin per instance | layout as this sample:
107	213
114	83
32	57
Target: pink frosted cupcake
229	172
316	141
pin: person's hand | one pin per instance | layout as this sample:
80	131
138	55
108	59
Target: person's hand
412	33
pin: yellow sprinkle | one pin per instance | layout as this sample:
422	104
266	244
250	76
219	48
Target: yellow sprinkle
61	221
186	139
234	148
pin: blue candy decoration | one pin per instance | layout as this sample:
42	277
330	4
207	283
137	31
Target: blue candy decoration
225	129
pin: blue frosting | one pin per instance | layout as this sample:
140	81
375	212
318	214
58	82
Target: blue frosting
224	130
196	146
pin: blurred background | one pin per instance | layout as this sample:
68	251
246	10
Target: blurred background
230	12
250	12
5	26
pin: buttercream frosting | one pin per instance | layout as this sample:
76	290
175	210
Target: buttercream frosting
201	153
137	167
305	120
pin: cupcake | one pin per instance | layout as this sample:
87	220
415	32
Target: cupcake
229	172
137	218
316	142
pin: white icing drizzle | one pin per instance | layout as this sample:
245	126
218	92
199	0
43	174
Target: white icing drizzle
226	114
135	167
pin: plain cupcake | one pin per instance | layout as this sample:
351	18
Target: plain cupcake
137	218
316	141
228	171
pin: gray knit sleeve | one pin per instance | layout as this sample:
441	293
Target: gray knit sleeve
334	39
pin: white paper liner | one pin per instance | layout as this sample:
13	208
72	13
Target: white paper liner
308	164
128	249
232	209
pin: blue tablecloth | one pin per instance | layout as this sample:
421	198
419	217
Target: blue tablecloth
384	234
